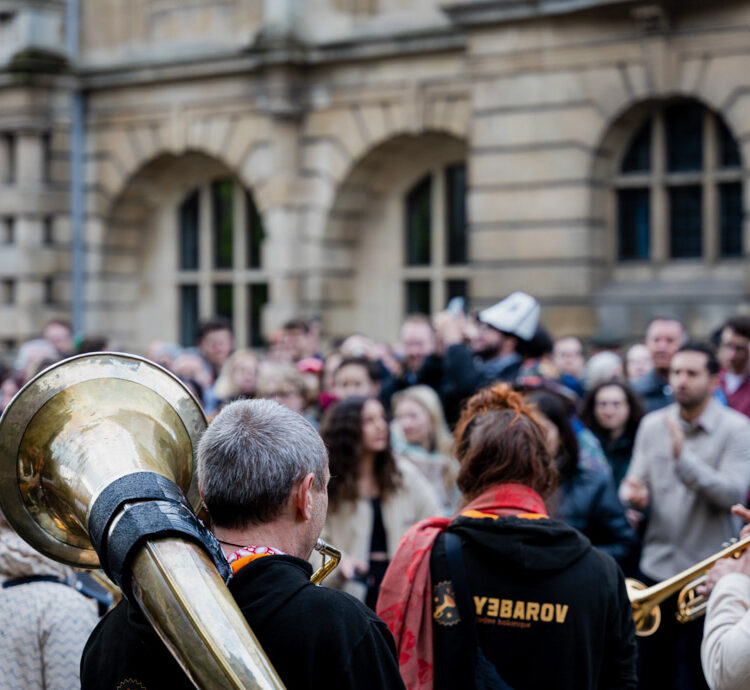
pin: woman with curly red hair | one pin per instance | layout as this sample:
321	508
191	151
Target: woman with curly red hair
502	596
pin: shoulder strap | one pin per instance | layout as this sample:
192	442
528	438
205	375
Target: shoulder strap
457	571
14	582
486	675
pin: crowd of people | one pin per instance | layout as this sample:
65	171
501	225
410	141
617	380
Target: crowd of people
558	465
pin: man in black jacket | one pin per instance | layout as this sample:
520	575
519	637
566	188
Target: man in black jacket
502	330
263	473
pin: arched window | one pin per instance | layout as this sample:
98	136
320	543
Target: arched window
679	187
435	240
220	269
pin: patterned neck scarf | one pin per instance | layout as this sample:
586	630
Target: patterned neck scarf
247	554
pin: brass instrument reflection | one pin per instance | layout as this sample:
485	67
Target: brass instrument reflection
690	604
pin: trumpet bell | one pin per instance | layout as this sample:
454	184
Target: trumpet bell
647	616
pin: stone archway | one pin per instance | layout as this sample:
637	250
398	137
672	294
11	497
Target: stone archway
359	285
134	292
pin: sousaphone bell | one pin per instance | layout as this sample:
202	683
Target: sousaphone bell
96	470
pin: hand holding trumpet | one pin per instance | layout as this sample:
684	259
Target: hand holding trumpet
730	565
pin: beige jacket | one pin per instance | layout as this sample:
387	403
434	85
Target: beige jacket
726	634
350	527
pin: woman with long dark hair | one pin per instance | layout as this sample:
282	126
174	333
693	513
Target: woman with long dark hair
586	498
373	497
613	412
502	595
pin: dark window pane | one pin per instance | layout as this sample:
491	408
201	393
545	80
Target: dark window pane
188	218
48	231
254	233
457	288
418	297
188	314
418	222
222	193
686	221
638	156
684	125
455	187
257	299
729	151
634	223
223	302
730	218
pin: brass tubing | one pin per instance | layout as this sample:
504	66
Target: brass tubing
193	612
334	556
645	601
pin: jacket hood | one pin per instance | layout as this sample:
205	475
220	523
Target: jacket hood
539	544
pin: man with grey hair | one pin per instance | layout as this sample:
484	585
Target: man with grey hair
263	475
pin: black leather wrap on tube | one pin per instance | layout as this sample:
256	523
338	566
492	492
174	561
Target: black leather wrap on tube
156	507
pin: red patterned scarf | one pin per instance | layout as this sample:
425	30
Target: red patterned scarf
406	592
247	554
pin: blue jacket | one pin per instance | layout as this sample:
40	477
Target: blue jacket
588	501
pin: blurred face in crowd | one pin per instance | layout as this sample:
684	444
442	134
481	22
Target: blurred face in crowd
663	339
60	336
245	374
331	364
551	433
568	357
418	340
351	380
415	422
611	409
691	382
8	389
216	346
191	367
296	342
733	351
638	362
488	341
285	394
374	427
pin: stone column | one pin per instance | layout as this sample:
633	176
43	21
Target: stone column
29	289
6	158
30	158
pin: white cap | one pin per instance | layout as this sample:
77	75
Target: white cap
517	314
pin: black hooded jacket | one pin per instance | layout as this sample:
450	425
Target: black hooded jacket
550	610
314	636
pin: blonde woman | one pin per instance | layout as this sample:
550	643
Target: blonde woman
238	378
421	435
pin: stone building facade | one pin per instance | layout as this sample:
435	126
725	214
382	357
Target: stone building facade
357	159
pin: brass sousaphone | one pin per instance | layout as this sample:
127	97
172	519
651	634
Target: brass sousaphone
97	447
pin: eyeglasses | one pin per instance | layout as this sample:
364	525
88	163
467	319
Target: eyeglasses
615	404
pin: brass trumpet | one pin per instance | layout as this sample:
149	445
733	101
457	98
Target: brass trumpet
690	604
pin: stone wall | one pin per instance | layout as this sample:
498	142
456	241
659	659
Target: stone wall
327	112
